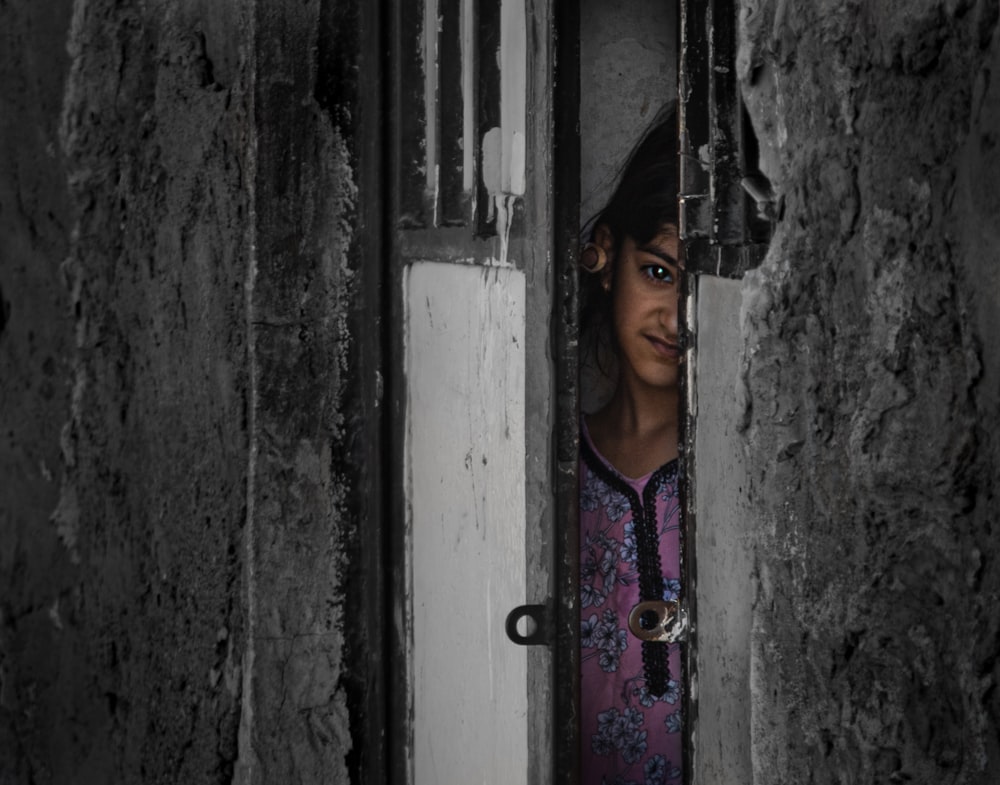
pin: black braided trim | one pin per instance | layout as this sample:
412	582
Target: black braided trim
655	654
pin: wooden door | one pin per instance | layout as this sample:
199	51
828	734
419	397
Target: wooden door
725	229
474	291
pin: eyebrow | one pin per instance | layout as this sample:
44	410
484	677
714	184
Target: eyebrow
650	249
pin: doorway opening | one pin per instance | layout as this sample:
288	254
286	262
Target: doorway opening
488	183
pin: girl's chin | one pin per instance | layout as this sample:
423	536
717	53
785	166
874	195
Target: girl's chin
660	381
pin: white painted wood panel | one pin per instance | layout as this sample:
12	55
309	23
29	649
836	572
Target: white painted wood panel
722	551
465	466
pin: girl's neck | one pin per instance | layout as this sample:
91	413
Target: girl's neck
637	429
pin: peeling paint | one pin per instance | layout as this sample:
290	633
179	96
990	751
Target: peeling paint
464	463
503	148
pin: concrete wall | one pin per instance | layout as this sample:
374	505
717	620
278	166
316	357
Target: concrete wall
177	206
872	392
628	71
36	357
123	622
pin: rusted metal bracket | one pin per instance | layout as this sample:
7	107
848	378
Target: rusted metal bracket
726	205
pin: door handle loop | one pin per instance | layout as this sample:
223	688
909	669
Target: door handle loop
539	628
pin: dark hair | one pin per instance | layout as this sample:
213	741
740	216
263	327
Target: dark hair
643	202
645	198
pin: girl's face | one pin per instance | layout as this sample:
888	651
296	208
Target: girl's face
644	290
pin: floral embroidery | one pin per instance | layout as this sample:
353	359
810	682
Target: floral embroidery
630	546
590	596
589	497
673	693
634	736
610	640
615	503
620	732
655	770
641	693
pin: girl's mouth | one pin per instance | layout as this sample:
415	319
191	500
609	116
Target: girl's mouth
665	349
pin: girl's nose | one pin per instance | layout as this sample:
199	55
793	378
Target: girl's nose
668	314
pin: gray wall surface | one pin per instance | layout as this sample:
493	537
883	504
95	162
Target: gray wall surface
871	372
36	373
177	212
628	71
124	263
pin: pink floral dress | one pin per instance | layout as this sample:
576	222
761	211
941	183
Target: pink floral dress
631	734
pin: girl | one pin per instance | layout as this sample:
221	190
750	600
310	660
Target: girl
629	510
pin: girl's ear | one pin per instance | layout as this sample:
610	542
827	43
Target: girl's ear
606	240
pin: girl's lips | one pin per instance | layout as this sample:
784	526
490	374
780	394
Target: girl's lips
666	349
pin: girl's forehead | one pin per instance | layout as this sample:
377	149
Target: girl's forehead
667	232
666	241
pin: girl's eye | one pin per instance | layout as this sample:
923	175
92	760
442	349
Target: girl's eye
658	272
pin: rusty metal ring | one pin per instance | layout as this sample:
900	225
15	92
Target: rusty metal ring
653	620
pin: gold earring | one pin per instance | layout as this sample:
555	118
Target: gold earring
593	258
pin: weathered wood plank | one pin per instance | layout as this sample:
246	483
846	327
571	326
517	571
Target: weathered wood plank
465	470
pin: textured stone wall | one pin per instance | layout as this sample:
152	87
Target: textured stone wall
297	725
176	267
36	352
124	623
872	391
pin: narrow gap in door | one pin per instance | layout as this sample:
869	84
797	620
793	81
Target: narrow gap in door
628	84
